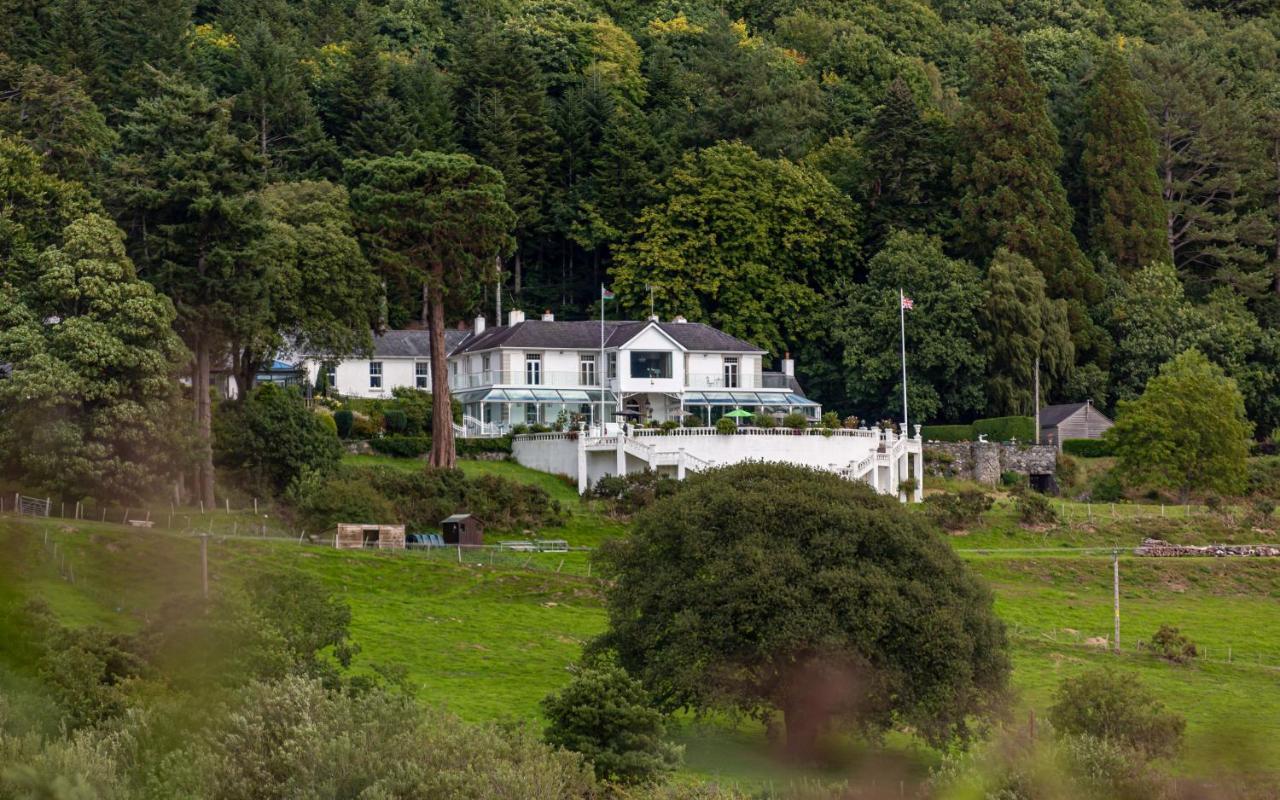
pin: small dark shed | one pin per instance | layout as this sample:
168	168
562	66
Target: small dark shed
462	529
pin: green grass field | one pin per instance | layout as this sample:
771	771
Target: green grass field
489	642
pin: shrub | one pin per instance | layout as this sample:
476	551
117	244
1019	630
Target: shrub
417	405
831	420
326	419
365	427
519	430
271	436
795	421
607	716
1004	429
395	421
629	493
85	670
763	420
1013	479
1172	645
726	426
1087	448
955	511
669	425
1264	477
1066	470
947	433
538	427
471	447
320	503
1117	707
1034	509
692	421
401	446
1262	513
1108	488
851	422
344	422
422	498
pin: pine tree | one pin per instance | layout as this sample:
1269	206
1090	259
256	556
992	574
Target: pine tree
905	167
1126	211
1012	196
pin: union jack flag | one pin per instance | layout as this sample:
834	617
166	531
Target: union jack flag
907	303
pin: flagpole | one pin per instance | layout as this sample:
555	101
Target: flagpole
902	325
601	368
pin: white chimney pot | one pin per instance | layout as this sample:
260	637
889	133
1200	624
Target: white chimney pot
547	316
679	318
478	327
515	317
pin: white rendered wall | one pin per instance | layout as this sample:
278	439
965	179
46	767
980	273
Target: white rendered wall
556	455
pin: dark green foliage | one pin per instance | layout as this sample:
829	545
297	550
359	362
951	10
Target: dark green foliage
608	717
475	447
955	511
1126	212
395	420
834	585
1011	195
1014	480
86	670
796	421
1006	429
1087	448
1033	508
345	420
947	433
726	426
1116	706
401	446
271	437
634	491
1108	488
315	625
1172	645
420	499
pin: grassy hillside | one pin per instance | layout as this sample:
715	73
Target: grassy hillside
491	641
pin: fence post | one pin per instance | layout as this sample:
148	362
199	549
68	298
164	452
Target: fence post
459	552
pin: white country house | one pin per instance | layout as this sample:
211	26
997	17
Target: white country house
604	379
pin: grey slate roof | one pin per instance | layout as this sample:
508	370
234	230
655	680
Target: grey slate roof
585	335
414	344
1051	416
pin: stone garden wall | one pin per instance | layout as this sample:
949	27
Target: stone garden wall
985	461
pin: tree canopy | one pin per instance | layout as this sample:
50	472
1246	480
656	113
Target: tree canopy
769	588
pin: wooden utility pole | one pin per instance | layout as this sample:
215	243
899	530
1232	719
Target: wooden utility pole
1115	583
1037	400
204	564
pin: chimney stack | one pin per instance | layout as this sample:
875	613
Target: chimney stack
515	316
788	365
547	316
654	318
478	327
679	319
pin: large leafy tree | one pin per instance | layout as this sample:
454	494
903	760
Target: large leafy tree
748	244
89	401
1187	432
945	364
1011	195
320	293
1126	210
860	612
1151	320
1020	324
182	188
55	116
441	220
37	206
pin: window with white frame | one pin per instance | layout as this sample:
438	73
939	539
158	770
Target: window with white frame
587	370
731	372
484	367
422	374
533	369
331	374
612	365
375	374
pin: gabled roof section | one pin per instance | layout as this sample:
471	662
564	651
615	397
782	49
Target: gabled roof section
1055	415
415	344
585	335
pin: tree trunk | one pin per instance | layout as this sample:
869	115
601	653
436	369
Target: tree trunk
517	276
442	452
204	423
246	373
426	307
803	726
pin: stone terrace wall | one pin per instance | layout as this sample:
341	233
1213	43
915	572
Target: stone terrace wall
985	461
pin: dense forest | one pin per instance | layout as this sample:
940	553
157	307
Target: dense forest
1094	183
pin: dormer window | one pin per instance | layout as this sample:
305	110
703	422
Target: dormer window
650	365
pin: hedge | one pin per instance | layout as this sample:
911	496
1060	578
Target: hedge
1087	448
1002	429
468	447
401	446
947	433
344	420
